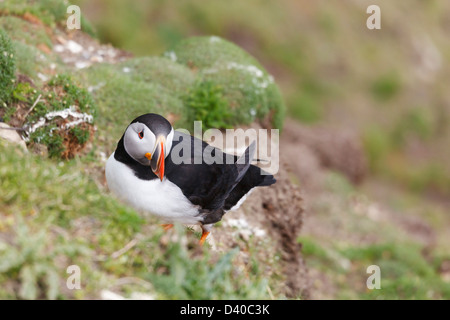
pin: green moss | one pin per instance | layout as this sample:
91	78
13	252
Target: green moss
166	85
59	93
161	71
115	91
249	89
24	31
7	67
206	102
74	94
80	134
50	12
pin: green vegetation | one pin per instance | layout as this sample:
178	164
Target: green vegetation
377	146
250	91
205	102
416	123
52	13
386	87
7	67
406	273
60	93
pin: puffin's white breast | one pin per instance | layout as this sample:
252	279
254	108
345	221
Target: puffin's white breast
161	198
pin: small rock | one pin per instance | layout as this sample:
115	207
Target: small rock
74	47
82	64
58	48
41	76
11	136
109	295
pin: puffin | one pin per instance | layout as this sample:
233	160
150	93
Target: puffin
164	172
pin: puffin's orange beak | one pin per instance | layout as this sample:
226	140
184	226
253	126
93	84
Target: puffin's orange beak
158	158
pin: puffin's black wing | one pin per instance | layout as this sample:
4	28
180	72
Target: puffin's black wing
206	185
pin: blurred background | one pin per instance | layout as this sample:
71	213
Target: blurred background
366	134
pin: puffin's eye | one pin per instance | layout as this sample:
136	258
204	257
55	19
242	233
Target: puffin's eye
141	134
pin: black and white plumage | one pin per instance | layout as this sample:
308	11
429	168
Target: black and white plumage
144	172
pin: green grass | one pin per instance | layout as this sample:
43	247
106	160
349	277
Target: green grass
50	12
24	31
405	272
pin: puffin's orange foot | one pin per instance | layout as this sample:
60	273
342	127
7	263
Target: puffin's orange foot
204	236
167	226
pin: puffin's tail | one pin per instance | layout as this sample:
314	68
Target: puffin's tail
243	164
248	177
267	179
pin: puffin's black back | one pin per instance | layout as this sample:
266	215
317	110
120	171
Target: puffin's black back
213	186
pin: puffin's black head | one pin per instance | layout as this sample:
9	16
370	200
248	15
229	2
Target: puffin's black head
148	140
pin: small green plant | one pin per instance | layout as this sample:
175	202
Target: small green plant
30	261
386	87
205	102
416	122
7	68
377	145
80	134
61	94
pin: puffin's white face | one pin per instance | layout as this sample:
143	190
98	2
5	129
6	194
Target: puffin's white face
146	148
138	141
